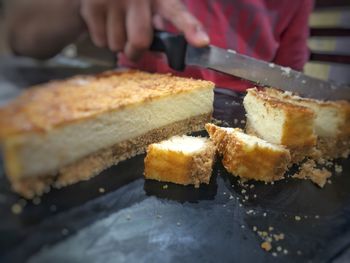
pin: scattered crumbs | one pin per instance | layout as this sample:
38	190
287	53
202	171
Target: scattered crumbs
53	208
36	200
271	65
279	248
165	186
178	224
224	193
317	216
16	209
240	205
237	198
246	197
266	246
270	228
235	121
255	228
64	231
251	186
338	169
231	197
254	195
286	71
272	182
303	81
278	237
232	51
242	121
297	218
242	226
329	181
159	216
305	216
264	214
128	217
274	254
101	190
243	191
299	252
285	251
224	205
308	170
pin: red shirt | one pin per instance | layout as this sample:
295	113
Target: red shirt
271	30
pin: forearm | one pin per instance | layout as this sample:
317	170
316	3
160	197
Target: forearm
41	28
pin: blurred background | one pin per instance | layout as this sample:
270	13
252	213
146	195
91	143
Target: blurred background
329	41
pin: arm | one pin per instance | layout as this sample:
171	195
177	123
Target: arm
293	51
41	28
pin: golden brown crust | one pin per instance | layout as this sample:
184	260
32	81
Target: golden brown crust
60	102
202	165
258	163
91	165
308	170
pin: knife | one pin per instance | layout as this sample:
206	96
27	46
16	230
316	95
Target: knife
180	54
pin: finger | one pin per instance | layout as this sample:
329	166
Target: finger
175	12
158	22
138	28
94	16
116	33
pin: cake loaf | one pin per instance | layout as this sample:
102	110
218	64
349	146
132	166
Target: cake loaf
66	131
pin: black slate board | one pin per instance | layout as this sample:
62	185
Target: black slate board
140	221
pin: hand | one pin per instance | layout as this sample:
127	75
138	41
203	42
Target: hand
127	25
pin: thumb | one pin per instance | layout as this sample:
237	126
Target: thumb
175	12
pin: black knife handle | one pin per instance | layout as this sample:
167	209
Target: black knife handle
174	46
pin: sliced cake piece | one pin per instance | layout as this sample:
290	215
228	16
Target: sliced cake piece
332	123
248	156
66	131
281	122
181	159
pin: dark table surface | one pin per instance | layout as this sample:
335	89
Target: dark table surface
134	220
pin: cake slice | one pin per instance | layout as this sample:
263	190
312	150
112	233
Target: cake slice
248	156
281	122
332	123
181	159
66	131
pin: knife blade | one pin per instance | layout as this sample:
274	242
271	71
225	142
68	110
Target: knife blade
181	54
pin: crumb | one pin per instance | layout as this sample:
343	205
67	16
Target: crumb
252	186
264	214
224	205
285	251
231	197
243	191
255	228
242	121
317	216
279	248
308	170
235	121
266	246
338	169
178	224
329	181
224	193
297	218
16	209
242	226
101	190
272	182
299	252
278	237
254	195
271	65
159	216
240	205
165	186
36	200
270	228
250	212
274	254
